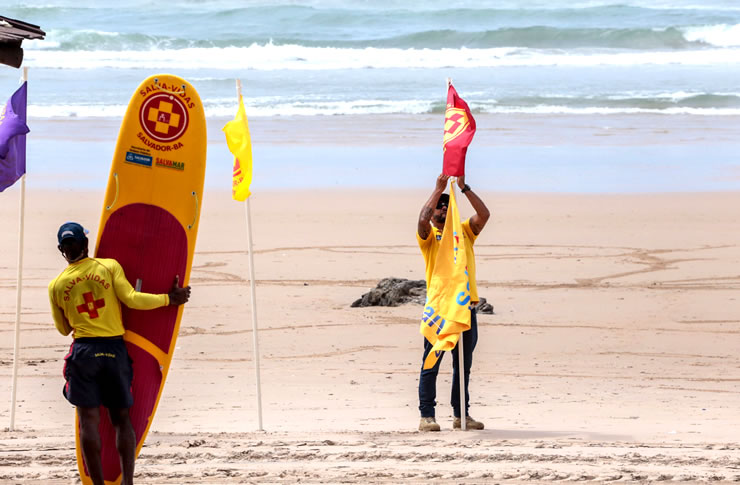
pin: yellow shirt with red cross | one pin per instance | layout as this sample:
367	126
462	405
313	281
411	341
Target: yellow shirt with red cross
86	298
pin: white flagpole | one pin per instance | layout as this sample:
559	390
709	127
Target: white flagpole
461	378
461	375
253	292
19	287
460	356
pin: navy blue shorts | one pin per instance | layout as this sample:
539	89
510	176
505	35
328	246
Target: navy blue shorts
98	372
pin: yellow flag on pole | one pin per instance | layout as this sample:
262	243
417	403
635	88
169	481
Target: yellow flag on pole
447	310
240	145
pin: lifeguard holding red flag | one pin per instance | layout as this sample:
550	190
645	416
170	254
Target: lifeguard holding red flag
458	133
449	321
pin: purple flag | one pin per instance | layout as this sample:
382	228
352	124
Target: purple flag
13	131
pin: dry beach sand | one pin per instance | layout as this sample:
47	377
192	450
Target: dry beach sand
612	354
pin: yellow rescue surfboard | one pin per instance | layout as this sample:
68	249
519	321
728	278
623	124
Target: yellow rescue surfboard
149	225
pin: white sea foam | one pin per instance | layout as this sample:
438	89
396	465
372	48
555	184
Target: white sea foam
717	35
75	111
676	96
271	57
360	107
40	44
329	108
549	110
255	108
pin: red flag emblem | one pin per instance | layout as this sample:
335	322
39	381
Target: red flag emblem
458	133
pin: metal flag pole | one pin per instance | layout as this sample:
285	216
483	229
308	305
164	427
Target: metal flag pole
19	288
253	292
460	356
461	373
461	378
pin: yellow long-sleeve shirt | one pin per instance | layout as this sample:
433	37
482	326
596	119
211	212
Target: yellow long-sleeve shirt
86	298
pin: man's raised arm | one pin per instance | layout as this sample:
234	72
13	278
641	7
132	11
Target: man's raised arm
479	219
428	210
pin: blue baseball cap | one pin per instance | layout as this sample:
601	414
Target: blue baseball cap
72	230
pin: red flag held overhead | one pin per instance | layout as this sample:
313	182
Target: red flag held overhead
458	133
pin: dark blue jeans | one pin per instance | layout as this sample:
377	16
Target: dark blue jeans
428	377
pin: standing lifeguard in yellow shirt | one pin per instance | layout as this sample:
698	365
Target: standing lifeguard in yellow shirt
86	301
429	234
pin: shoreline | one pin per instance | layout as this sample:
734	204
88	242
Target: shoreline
521	154
526	170
641	129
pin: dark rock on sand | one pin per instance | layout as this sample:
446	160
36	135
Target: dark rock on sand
394	292
398	291
483	306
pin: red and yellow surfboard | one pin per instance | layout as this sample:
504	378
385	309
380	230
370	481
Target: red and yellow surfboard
149	225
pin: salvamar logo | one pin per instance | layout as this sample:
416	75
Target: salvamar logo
163	162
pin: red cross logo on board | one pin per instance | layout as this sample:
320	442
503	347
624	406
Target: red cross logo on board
164	117
91	305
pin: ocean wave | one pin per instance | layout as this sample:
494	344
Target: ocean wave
541	37
270	57
551	38
657	101
550	110
345	24
255	108
667	103
70	40
392	5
